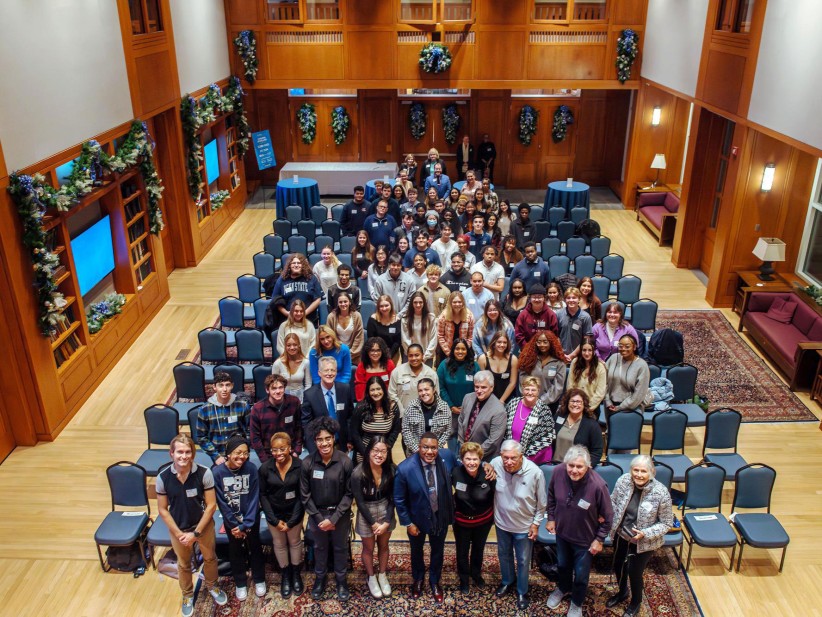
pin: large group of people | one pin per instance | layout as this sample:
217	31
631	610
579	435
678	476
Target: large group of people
479	387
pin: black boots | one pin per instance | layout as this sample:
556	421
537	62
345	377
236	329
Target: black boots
285	584
297	580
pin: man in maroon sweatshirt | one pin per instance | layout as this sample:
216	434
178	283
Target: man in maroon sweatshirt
536	316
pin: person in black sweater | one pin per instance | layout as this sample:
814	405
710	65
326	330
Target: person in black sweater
576	425
373	486
355	213
473	513
280	500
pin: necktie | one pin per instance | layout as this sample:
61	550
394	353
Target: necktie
332	411
432	488
471	419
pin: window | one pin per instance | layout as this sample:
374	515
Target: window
570	10
734	15
724	159
145	16
545	93
810	252
455	93
300	11
436	11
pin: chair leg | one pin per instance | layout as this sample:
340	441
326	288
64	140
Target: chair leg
103	563
782	561
733	554
690	548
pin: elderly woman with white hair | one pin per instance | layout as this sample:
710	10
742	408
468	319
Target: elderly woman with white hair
642	517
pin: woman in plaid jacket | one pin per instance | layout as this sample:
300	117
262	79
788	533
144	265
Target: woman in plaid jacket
530	422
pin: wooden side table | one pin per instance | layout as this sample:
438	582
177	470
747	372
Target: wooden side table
748	282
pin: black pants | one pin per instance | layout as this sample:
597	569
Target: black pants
335	541
417	545
629	566
240	552
470	539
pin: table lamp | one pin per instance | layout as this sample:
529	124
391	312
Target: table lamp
769	250
658	163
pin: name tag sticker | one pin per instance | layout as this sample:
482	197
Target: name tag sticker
532	420
340	406
540	324
472	243
707	517
375	224
133	513
583	504
354	210
191	492
471	301
441	300
469	378
560	420
288	420
646	506
552	372
506	375
392	330
232	419
462	486
385	377
406	387
575	326
318	474
526	233
535	274
290	494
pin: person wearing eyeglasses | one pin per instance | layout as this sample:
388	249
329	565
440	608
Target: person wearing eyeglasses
238	497
579	512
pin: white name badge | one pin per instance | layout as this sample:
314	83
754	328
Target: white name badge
506	375
584	504
406	387
472	243
462	486
385	377
646	506
526	233
340	406
560	420
354	210
540	324
532	420
471	301
191	492
132	513
552	372
375	224
575	326
535	274
290	494
232	419
469	378
289	420
392	330
318	474
441	300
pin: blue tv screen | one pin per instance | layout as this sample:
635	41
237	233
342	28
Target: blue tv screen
93	254
212	161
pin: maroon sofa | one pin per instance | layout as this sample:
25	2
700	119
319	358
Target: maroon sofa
791	346
658	211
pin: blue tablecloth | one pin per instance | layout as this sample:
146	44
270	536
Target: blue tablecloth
461	183
371	188
305	192
558	194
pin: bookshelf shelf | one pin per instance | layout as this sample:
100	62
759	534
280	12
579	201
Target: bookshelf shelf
64	335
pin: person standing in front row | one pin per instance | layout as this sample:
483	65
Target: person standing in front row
422	497
519	505
325	490
579	512
186	503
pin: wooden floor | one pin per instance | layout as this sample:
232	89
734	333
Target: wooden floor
55	494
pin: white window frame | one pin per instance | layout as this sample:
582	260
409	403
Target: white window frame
814	206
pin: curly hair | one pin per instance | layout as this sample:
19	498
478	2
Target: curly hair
563	407
453	365
382	363
529	355
307	272
323	423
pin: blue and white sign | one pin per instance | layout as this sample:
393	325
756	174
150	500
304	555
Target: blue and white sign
263	149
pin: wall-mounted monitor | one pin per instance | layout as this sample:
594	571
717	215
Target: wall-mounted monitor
93	253
212	161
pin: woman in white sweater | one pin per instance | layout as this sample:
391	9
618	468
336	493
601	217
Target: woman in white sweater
418	326
299	325
326	269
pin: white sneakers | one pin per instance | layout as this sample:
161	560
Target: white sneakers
575	611
259	589
555	599
374	587
384	586
188	607
219	597
241	593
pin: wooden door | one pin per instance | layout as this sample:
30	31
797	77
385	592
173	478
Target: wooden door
7	442
722	137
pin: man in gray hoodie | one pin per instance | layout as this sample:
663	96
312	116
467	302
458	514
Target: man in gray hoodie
220	418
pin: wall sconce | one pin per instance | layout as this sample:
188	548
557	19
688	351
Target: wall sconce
658	163
656	116
767	177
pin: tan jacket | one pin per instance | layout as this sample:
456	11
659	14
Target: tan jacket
358	336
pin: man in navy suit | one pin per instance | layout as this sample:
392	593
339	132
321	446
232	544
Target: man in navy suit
328	398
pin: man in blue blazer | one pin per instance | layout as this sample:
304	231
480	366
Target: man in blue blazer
422	497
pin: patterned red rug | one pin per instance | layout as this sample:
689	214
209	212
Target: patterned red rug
730	372
667	592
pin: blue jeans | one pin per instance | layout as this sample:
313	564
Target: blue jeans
574	562
512	546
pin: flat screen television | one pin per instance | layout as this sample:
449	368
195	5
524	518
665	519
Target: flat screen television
93	255
212	161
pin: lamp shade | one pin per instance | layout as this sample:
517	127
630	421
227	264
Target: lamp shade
658	162
770	249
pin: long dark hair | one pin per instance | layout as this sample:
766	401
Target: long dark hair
453	365
387	467
581	364
409	314
367	405
379	342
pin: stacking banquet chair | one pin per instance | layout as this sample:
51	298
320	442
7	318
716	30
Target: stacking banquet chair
367	308
669	434
542	230
673	539
273	245
345	258
323	310
319	215
314	259
264	264
248	290
703	489
189	381
556	214
333	229
721	433
235	372
643	315
337	212
231	316
683	378
754	485
585	265
600	247
543	535
127	483
624	433
298	244
282	228
611	472
627	292
565	230
506	286
261	371
537	213
347	244
162	425
249	351
550	247
612	265
574	247
294	214
321	241
578	215
559	265
602	288
260	307
307	230
212	350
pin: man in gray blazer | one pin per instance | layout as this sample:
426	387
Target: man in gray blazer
483	419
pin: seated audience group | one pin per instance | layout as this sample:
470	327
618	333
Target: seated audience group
479	388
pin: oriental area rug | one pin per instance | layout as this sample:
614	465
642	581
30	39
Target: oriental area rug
667	592
730	372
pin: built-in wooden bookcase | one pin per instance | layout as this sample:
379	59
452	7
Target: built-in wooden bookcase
234	158
223	130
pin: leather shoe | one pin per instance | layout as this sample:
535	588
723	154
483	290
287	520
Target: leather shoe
436	590
318	588
522	601
342	591
464	587
479	582
631	611
503	590
416	589
617	598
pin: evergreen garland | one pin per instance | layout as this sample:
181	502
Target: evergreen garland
246	46
217	199
627	50
307	120
340	123
450	122
435	58
417	120
528	117
100	312
563	116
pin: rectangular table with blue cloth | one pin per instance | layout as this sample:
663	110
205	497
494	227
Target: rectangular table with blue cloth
304	192
371	188
560	194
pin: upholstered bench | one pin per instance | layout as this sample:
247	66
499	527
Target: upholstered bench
658	211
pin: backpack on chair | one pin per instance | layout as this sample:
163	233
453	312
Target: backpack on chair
666	347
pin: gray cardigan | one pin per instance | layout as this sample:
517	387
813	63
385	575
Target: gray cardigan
627	382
